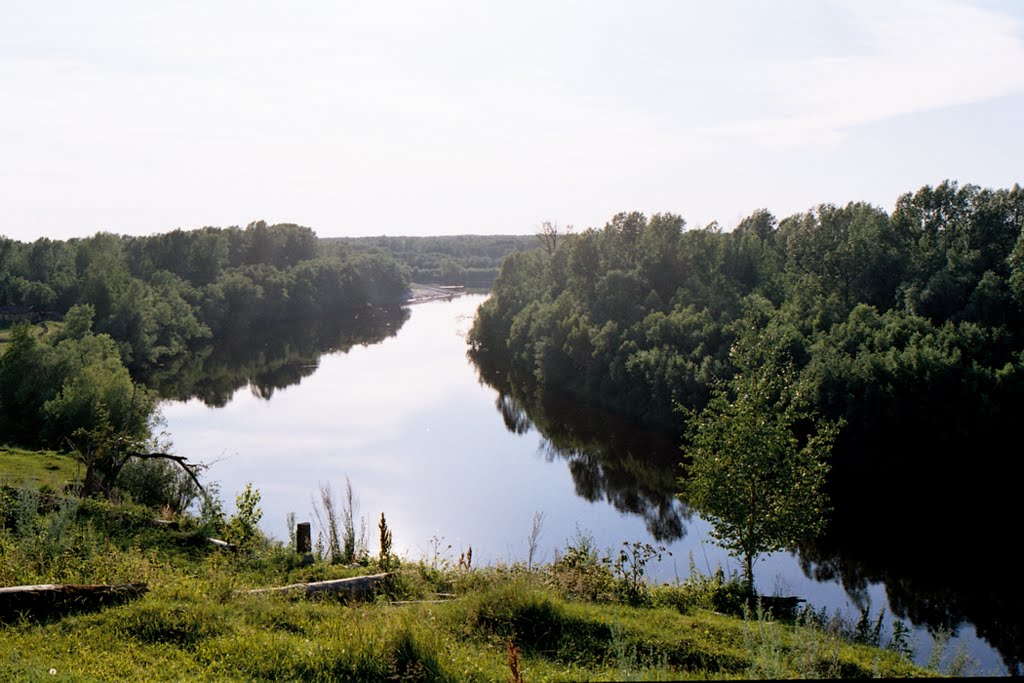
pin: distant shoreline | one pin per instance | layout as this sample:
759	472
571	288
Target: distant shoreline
419	293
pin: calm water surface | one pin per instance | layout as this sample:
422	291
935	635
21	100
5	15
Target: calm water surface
408	421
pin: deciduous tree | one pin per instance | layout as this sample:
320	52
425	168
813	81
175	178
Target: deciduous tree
756	461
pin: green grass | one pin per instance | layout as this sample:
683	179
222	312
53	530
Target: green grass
38	330
197	623
36	468
185	632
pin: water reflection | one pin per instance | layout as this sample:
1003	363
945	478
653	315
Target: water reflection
610	458
931	533
412	424
271	359
917	524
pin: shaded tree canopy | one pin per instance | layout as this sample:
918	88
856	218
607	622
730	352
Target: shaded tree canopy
887	319
135	307
159	296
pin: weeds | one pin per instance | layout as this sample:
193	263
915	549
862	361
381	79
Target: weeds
570	619
289	522
437	554
343	545
863	632
44	540
629	568
211	511
763	642
900	640
581	572
959	664
242	529
466	560
385	559
514	664
533	540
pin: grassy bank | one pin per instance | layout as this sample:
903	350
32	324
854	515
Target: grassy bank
577	618
39	469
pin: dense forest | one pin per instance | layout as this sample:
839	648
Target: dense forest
895	322
906	325
467	260
130	309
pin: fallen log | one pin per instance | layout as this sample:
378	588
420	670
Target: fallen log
50	598
354	586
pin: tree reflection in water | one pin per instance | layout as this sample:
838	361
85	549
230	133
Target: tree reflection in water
271	360
610	458
908	514
937	534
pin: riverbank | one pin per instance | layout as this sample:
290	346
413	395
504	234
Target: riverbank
419	293
580	617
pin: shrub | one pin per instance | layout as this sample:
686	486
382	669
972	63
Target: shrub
157	484
715	592
242	529
581	572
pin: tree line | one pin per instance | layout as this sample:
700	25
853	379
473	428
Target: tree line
131	307
156	295
468	260
909	320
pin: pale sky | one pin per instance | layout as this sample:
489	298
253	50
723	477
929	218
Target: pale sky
443	117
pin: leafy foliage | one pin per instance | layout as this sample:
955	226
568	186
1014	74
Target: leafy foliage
243	526
468	260
158	296
135	307
887	320
756	461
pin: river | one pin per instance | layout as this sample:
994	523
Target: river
454	464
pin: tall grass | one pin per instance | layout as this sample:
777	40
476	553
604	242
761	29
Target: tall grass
337	524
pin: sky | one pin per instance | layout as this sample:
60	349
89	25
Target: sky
468	117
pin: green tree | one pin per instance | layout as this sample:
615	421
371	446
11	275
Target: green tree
756	460
98	410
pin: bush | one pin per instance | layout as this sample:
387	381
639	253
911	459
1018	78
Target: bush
718	593
581	572
242	529
158	484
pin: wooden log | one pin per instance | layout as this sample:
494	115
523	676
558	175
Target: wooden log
354	586
44	599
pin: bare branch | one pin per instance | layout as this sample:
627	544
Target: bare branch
547	233
181	460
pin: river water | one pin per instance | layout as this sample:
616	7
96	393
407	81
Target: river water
421	438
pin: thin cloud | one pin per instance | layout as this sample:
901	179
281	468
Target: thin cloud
918	56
